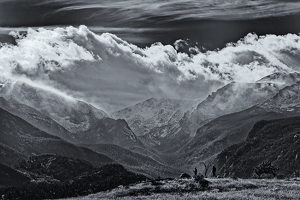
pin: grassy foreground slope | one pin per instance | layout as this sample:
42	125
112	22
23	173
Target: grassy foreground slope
221	189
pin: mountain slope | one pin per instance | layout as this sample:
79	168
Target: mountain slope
152	113
11	177
110	131
276	141
35	118
64	116
231	98
9	156
281	79
25	139
169	136
227	130
57	167
91	181
157	121
286	100
135	161
72	114
19	139
221	133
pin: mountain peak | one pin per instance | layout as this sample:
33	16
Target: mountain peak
286	100
233	97
282	79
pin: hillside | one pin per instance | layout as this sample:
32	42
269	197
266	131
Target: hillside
224	131
16	135
53	166
221	133
281	79
187	189
11	177
64	116
90	181
287	100
135	161
109	131
35	118
72	114
275	141
233	97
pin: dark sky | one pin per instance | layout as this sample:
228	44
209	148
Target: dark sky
211	23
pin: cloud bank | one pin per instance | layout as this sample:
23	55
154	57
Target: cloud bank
111	73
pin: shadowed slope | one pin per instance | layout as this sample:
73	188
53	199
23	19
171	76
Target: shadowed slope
276	141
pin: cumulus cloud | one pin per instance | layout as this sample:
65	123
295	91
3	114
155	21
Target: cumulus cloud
111	73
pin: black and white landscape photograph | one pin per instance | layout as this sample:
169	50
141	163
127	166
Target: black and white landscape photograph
150	99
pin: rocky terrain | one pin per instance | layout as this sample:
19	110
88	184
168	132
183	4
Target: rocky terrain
156	119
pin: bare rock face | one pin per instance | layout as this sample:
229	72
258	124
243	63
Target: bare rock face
155	120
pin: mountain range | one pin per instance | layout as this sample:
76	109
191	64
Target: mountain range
230	129
237	127
223	119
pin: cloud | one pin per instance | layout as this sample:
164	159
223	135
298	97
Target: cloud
111	73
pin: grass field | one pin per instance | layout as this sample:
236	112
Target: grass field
187	189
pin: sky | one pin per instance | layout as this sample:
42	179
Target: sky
212	23
171	49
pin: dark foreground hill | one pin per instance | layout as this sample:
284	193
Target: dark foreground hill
11	177
275	141
90	181
54	167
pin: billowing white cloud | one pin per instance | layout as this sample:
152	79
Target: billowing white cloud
110	72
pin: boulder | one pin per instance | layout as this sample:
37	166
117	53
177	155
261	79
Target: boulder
202	181
185	175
